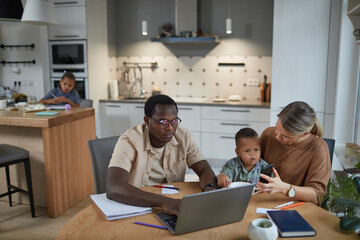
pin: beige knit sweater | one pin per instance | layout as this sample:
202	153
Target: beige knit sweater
306	163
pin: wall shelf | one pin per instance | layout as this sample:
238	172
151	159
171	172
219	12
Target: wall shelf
186	40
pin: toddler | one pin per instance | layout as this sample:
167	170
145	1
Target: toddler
246	167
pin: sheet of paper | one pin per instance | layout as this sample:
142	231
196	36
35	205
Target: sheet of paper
263	210
115	210
169	191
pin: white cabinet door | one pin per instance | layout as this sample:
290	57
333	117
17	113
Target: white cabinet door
136	114
226	126
114	119
71	23
300	53
218	145
236	113
191	119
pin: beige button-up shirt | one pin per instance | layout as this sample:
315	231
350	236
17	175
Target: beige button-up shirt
133	152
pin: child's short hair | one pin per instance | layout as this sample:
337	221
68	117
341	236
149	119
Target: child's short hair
69	75
245	133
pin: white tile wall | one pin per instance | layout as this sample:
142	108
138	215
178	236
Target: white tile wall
194	76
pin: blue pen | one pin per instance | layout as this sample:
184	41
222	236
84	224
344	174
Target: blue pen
151	225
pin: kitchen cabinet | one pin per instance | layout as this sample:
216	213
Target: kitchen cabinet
219	126
354	15
114	118
136	114
71	17
300	54
213	127
190	116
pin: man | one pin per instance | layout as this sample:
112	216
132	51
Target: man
155	152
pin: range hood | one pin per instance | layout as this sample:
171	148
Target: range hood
11	10
186	20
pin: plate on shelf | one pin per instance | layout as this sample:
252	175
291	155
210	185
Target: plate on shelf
219	100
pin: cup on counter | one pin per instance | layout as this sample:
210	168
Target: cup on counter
2	104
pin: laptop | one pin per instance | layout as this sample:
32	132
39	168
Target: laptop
208	209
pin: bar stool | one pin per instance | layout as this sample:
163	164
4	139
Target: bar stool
10	155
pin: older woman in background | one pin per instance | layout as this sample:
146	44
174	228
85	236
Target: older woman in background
300	156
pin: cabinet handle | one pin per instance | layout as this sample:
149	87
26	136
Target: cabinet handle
62	3
118	106
227	137
139	107
66	36
235	124
233	110
182	108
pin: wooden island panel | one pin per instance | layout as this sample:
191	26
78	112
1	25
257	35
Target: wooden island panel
61	153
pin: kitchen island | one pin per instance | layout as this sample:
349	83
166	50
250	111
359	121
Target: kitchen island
59	155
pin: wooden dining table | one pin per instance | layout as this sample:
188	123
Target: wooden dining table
90	223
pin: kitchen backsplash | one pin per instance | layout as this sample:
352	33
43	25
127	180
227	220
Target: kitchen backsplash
193	76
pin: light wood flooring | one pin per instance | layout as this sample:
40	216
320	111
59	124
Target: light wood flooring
16	221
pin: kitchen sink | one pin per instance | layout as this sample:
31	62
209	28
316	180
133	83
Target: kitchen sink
136	98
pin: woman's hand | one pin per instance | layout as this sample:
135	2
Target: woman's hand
223	180
274	185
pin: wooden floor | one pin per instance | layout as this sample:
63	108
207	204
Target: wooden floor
16	221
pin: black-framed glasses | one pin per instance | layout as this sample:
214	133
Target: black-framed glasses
164	123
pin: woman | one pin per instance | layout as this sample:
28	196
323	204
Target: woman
300	156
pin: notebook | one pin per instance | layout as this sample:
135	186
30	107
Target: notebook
46	113
290	223
114	210
209	209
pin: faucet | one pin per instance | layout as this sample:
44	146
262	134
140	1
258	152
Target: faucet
140	80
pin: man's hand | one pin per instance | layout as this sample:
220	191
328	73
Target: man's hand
171	206
223	180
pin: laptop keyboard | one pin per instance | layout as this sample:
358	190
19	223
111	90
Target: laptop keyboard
171	221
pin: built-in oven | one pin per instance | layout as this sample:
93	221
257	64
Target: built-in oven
69	56
80	86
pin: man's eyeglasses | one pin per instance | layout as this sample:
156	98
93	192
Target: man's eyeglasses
165	123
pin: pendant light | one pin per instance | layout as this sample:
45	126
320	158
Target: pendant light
11	10
228	21
144	28
40	12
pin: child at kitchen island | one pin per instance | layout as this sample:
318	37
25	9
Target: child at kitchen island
246	167
65	93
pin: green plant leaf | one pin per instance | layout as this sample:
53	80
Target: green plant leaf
346	202
349	223
356	181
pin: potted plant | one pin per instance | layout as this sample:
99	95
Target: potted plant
343	199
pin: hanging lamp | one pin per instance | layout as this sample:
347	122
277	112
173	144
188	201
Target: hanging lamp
40	12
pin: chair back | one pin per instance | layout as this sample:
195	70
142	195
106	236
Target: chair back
86	103
101	151
331	145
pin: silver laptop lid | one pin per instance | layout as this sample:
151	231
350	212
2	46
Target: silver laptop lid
209	209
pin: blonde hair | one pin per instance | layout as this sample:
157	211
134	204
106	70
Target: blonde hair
298	118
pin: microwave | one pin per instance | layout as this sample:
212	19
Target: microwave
68	54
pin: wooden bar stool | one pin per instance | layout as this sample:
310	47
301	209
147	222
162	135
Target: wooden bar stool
10	155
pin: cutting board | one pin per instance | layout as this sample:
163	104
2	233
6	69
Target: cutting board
267	96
